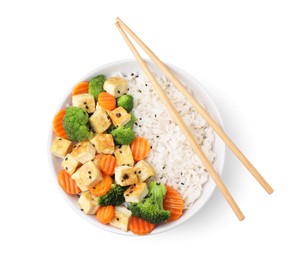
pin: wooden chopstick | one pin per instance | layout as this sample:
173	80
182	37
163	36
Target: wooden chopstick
200	109
218	181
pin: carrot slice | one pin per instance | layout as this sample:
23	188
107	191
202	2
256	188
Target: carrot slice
102	187
108	164
58	127
105	214
173	202
81	88
140	227
67	184
140	148
107	101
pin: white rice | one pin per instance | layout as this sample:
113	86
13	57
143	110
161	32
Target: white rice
171	155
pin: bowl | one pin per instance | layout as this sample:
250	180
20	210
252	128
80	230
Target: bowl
126	66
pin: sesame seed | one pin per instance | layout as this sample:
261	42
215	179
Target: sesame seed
120	146
140	118
139	172
85	103
158	183
155	115
60	139
163	167
118	219
151	147
119	92
139	91
90	177
126	176
136	123
132	74
89	172
118	114
157	136
78	195
81	209
136	76
66	168
182	183
145	84
87	107
121	152
66	158
127	195
93	145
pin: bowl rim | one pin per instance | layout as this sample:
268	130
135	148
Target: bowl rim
170	225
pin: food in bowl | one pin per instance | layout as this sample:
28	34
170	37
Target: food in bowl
124	158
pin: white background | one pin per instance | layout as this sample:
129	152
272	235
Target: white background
243	52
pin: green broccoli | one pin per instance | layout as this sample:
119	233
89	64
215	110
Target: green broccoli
125	101
130	124
115	196
123	135
75	123
151	207
96	85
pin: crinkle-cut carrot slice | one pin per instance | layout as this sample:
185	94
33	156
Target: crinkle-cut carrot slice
81	88
67	184
140	227
58	127
140	148
173	202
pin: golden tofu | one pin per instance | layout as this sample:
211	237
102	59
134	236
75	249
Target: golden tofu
103	143
119	116
84	101
143	170
84	152
60	147
135	193
124	155
88	202
87	175
99	121
70	164
116	86
97	159
125	175
121	218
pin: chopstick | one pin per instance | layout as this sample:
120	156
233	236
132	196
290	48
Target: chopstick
212	123
216	178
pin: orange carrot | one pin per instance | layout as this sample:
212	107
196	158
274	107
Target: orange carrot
106	101
102	187
58	127
105	214
140	148
67	184
108	164
81	88
174	203
140	227
97	159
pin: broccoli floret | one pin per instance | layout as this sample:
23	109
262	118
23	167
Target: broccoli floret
151	207
75	123
114	197
125	101
96	85
123	135
130	124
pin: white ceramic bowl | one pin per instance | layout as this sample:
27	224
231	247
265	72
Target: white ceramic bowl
126	66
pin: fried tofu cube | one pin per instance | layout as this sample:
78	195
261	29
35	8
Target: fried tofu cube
143	170
99	121
88	202
124	155
84	152
87	175
119	116
70	164
116	86
60	147
97	159
84	101
103	143
135	193
121	218
125	175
